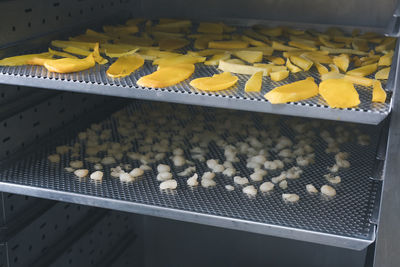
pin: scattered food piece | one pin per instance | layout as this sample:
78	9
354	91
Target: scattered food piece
290	197
108	160
266	187
169	184
54	158
240	180
215	83
208	183
81	173
136	172
229	187
97	176
192	181
339	93
163	168
126	177
163	176
293	92
332	179
311	189
76	164
250	190
328	190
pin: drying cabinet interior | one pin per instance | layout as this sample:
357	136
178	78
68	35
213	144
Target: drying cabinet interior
194	127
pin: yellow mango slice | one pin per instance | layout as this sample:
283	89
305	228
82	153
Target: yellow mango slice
228	28
235	61
334	68
382	74
386	60
343	39
339	93
293	92
360	44
342	62
228	44
269	67
378	94
121	29
276	60
256	35
208	27
343	51
249	56
172	43
252	41
182	59
125	65
273	32
202	43
359	80
214	60
327	43
254	83
167	76
134	40
81	45
67	65
387	44
302	45
37	61
266	50
291	67
120	53
77	51
321	68
160	54
96	55
279	75
217	82
364	70
239	68
317	57
303	63
61	54
23	60
281	47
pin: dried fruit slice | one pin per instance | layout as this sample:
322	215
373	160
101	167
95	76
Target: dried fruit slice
342	62
293	92
23	60
61	54
209	27
303	63
217	82
96	55
125	65
254	83
383	74
279	75
67	65
378	94
214	60
239	68
291	67
321	68
228	44
167	76
172	43
386	60
339	93
249	56
175	60
364	70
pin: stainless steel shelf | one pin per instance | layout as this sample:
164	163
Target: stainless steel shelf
343	221
95	81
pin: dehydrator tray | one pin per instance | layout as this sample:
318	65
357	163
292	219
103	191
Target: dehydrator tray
343	221
95	81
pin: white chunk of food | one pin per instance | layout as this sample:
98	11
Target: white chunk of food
328	190
192	181
97	176
240	180
126	177
229	187
54	158
76	164
208	175
311	189
169	184
108	160
136	172
250	190
266	187
290	197
163	176
229	171
283	184
163	168
208	183
81	173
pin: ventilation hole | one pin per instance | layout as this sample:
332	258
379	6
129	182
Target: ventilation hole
44	249
70	261
69	14
5	124
7	152
13	28
28	10
102	6
35	110
20	117
3	95
57	17
29	24
15	259
11	207
112	3
43	237
36	124
23	144
61	111
91	9
55	226
56	4
43	225
92	262
36	136
67	217
30	248
15	247
81	11
43	21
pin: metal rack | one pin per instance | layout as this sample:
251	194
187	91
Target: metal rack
344	221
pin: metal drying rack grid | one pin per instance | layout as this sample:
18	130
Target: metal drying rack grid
343	221
96	81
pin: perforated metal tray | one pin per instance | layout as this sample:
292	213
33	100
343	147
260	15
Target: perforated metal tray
96	81
343	221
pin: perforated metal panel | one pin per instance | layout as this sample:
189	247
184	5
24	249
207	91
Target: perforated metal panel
342	221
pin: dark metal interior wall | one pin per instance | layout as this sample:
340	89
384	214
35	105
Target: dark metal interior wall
340	12
199	245
24	19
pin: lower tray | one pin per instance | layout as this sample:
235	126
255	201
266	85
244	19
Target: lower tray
342	221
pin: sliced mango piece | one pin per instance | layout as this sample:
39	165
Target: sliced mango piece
321	68
22	60
342	62
228	44
266	50
386	60
327	43
239	68
249	56
332	75
339	93
172	43
364	70
270	67
121	29
37	61
293	68
202	42
67	65
273	32
96	55
207	52
293	92
64	44
120	54
125	65
387	44
61	54
343	51
256	35
378	94
217	82
359	80
235	61
281	47
77	51
228	28
209	27
214	60
382	74
254	83
302	45
167	76
279	75
317	57
252	41
360	44
303	63
175	60
275	60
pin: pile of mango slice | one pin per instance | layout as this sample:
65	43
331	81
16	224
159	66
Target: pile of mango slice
341	60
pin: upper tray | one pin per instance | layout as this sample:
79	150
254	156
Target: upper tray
96	81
